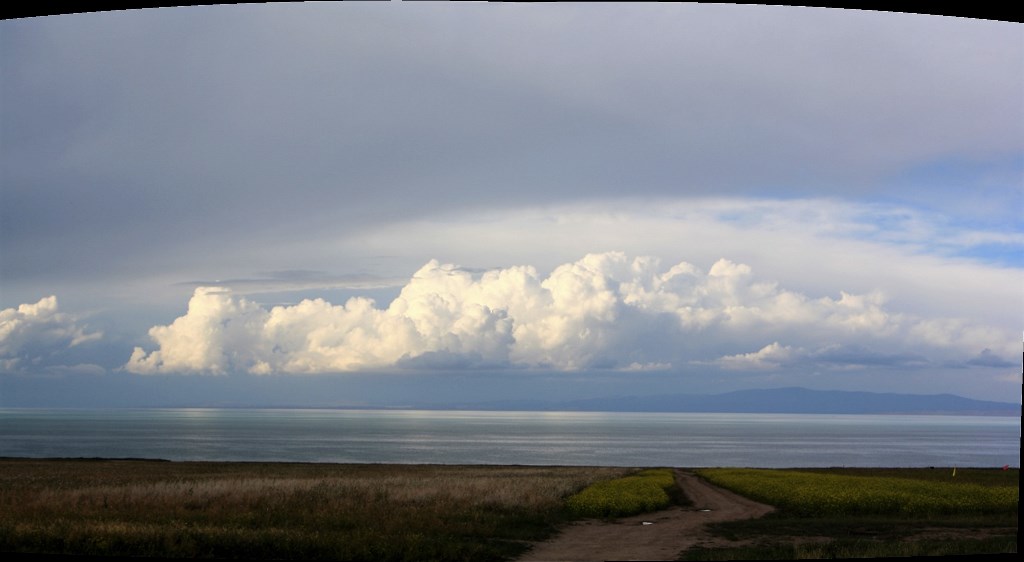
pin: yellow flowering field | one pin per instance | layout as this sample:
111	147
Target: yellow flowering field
815	494
648	490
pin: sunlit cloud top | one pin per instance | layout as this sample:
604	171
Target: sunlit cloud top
604	311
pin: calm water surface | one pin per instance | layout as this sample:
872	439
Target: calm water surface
533	438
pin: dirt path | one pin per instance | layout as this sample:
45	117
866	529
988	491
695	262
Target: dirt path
666	535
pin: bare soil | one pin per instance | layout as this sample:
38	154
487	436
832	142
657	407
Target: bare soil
661	535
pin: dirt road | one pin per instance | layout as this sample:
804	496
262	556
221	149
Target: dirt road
664	536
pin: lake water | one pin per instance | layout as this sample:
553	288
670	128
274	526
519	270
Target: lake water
530	438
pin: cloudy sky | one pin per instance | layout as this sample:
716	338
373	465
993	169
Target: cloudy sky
392	203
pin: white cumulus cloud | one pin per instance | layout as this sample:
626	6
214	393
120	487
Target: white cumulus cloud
770	356
603	311
34	334
834	356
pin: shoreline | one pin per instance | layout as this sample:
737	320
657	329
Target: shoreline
1010	411
479	465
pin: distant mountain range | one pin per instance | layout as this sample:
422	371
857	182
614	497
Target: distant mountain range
791	400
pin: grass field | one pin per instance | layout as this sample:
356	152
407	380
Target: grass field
422	512
278	510
852	513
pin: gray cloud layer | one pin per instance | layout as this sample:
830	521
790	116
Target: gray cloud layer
245	125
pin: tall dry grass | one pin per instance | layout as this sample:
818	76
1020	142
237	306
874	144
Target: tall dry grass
277	510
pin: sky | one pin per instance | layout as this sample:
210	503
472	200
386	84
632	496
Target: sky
401	204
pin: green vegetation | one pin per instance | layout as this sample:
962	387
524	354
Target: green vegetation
814	494
852	513
645	491
282	510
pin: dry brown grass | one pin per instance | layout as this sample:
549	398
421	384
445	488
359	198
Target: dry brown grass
281	510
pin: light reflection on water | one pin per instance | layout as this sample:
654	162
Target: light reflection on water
534	438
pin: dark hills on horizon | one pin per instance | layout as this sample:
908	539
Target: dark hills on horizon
791	400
